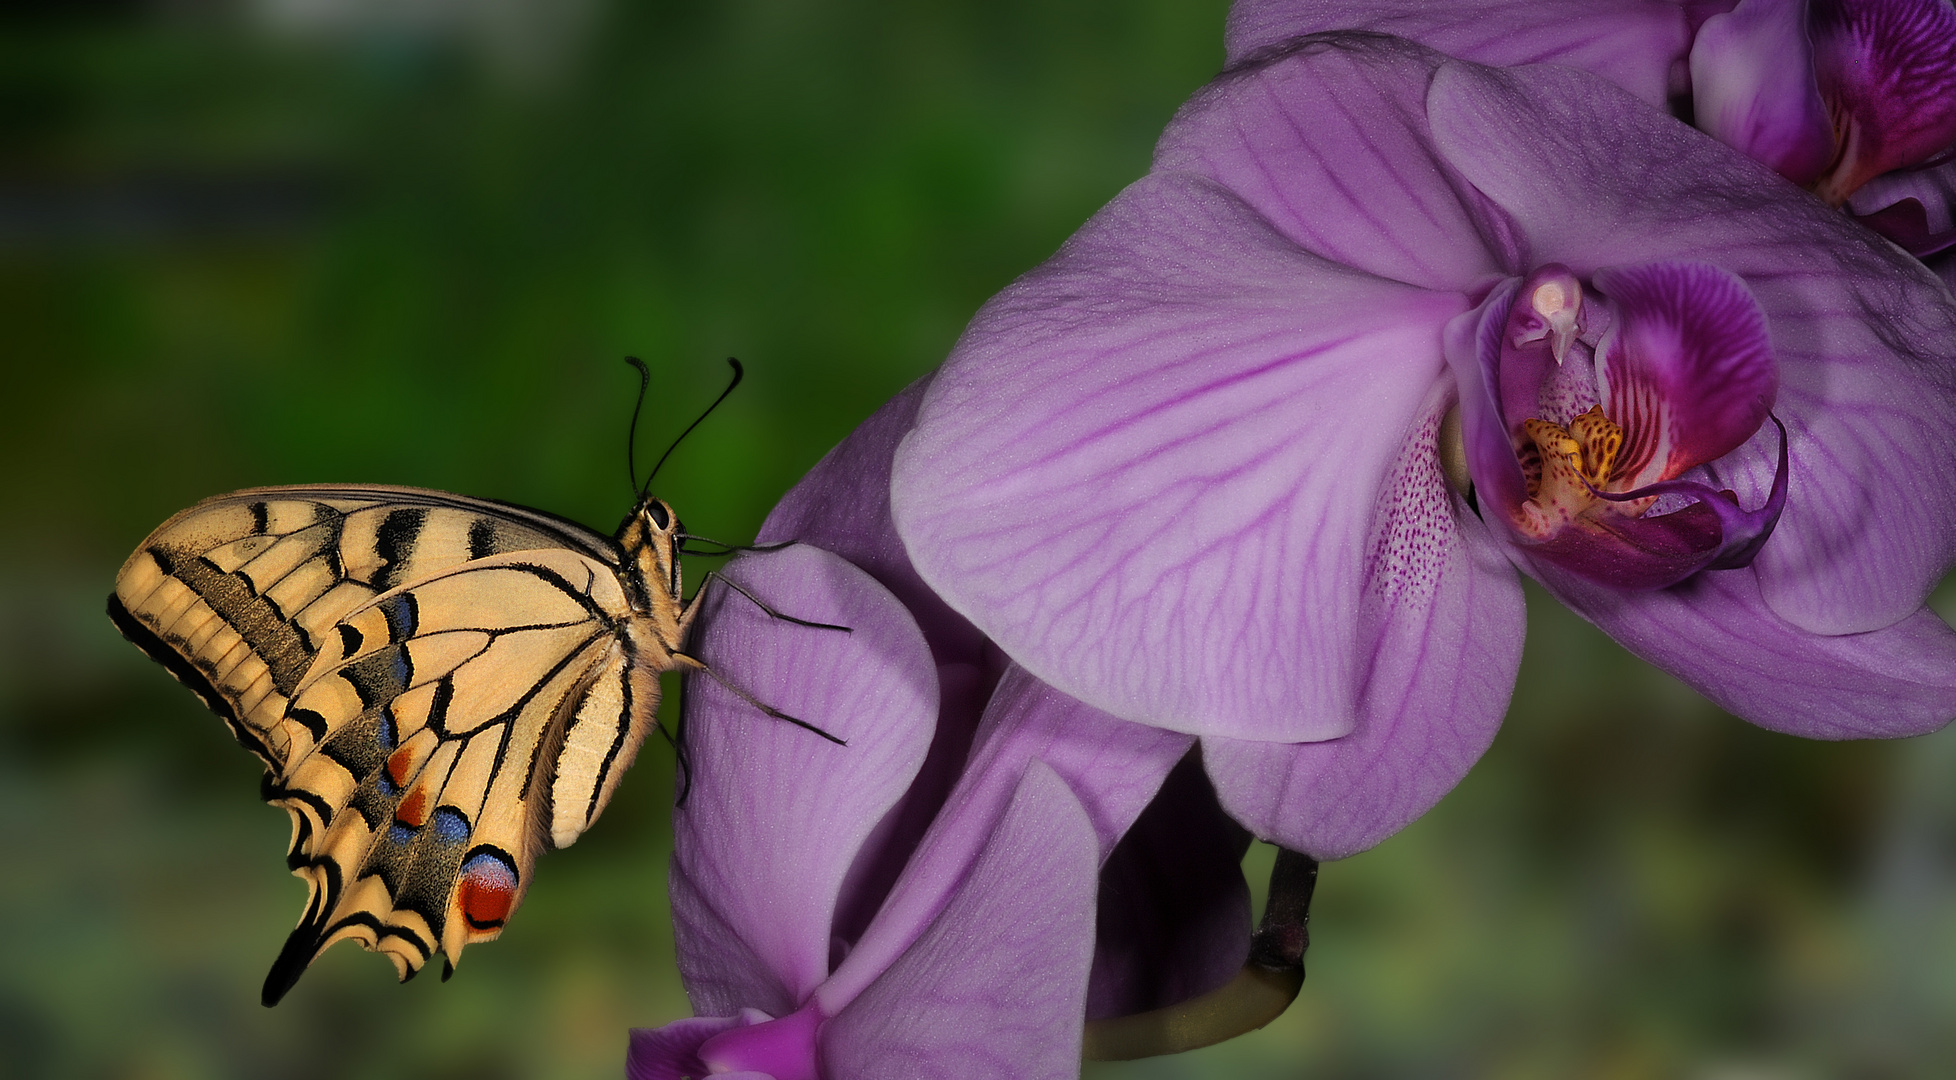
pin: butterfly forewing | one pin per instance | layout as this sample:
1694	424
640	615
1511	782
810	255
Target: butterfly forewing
440	687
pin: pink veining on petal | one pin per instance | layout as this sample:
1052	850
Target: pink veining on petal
1887	69
1719	635
776	815
995	986
1151	503
1688	373
1443	623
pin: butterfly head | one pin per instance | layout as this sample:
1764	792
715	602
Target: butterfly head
650	537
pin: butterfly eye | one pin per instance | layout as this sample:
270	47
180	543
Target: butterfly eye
657	512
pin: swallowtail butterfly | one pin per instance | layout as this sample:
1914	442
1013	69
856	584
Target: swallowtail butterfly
441	688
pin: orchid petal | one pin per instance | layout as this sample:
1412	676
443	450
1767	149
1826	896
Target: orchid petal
780	1049
963	690
996	986
1888	69
672	1052
1752	87
1443	625
1636	44
1636	553
1916	208
1737	533
1688	371
1174	917
1861	331
1325	142
1149	468
1906	222
1850	548
776	814
1113	766
843	505
1475	342
1717	633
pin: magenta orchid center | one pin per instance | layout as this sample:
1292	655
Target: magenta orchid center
1566	461
1607	394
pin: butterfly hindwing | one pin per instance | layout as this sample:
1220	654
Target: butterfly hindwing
437	716
441	688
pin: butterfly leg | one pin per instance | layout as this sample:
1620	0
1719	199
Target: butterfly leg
715	575
696	664
726	548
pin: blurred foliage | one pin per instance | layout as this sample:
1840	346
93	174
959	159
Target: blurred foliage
280	241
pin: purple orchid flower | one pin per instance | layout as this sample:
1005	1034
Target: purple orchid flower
1870	92
987	864
1194	470
1855	99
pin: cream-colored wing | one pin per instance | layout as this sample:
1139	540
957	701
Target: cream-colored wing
428	738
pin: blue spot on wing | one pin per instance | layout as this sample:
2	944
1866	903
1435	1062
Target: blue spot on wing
449	825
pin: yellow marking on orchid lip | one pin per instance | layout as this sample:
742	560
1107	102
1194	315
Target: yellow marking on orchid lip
1558	448
1576	462
1601	440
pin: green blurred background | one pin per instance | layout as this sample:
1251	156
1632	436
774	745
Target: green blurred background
408	242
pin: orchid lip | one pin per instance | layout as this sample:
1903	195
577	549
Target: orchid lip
1743	532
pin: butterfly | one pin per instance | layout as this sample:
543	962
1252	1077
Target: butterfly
440	687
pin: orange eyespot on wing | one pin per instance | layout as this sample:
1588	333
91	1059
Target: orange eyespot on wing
487	891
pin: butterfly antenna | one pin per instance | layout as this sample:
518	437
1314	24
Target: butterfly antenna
631	433
738	374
